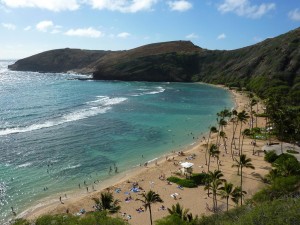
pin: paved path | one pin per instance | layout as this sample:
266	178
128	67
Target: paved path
285	146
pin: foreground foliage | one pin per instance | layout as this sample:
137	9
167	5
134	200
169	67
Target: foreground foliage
279	212
93	218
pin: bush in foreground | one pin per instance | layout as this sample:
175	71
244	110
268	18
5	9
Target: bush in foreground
93	218
279	212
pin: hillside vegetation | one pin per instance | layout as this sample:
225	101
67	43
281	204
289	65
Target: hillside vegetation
271	66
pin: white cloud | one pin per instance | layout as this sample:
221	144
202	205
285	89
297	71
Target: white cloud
245	8
221	36
52	5
45	25
192	36
294	14
123	35
181	5
27	28
124	6
9	26
84	32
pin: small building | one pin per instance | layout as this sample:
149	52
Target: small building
187	168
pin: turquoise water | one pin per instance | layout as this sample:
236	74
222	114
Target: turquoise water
57	132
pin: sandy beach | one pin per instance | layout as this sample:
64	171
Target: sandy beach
148	177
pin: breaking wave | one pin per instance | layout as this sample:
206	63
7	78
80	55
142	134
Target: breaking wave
99	106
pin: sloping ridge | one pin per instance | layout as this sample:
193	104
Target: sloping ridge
59	60
167	61
273	59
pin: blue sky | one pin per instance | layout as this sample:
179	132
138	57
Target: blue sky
28	27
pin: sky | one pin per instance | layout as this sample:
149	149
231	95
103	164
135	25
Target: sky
28	27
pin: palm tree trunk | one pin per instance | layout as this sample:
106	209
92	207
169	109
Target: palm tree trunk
240	137
227	202
242	145
254	144
150	214
225	144
256	114
232	139
207	148
216	201
208	162
241	185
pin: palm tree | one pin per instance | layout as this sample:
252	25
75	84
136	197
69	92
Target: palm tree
150	198
246	132
226	191
215	187
252	103
211	130
242	118
237	194
213	151
241	163
107	202
223	136
214	182
222	123
180	212
234	121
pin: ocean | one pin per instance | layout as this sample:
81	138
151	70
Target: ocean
57	132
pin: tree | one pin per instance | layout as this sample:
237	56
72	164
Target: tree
246	132
213	151
224	137
243	162
107	202
150	198
214	182
182	213
237	194
242	117
211	130
226	191
234	121
252	103
222	122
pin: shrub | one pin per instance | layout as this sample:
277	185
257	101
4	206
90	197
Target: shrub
182	182
284	157
271	156
21	222
281	187
199	178
187	183
291	151
170	220
174	179
95	218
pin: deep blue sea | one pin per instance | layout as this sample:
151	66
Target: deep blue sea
57	132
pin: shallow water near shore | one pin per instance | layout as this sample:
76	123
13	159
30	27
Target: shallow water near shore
57	132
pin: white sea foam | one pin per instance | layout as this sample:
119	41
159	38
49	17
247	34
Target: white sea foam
99	106
149	92
71	167
24	165
152	160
